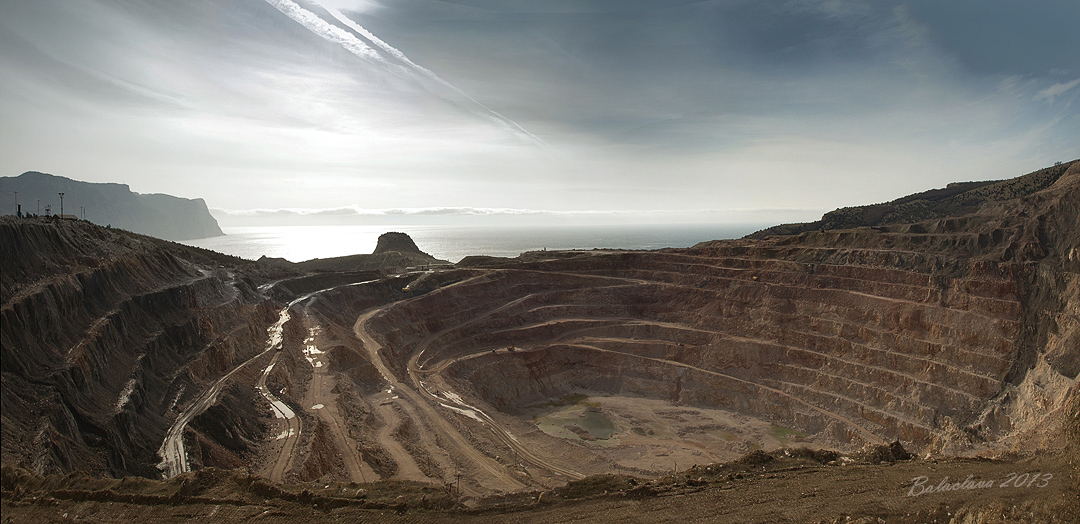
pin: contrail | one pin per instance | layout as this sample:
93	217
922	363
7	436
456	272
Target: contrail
382	45
396	53
330	32
361	49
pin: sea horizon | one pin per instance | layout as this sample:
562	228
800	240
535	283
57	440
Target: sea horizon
298	243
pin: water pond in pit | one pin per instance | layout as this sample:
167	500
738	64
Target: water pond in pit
577	419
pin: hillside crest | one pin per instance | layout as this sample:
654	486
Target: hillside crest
955	199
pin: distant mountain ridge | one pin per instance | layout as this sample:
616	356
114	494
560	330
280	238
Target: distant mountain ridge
158	215
956	199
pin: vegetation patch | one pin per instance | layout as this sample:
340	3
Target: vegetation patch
782	433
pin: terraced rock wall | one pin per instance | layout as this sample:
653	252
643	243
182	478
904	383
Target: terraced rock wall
944	334
105	336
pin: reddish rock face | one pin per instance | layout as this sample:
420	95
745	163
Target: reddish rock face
932	333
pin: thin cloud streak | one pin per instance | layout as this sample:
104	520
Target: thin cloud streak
357	211
396	53
322	28
361	49
1056	90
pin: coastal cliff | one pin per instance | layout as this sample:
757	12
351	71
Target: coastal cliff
114	205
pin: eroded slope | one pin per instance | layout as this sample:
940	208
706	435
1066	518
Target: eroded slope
107	335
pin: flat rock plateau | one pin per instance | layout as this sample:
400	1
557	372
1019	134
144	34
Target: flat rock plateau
914	361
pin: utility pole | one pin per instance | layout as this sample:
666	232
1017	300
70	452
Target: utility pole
38	207
61	205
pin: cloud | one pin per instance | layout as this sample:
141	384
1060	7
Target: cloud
646	105
254	216
360	48
394	52
360	212
354	6
330	32
1056	90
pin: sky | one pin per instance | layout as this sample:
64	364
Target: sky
342	111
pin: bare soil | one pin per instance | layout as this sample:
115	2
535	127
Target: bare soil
791	485
654	437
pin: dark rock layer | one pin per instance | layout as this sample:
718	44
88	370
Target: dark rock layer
399	242
106	335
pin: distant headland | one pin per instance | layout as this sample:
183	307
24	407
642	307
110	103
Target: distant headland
115	205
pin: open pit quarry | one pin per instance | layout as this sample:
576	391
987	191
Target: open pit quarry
538	388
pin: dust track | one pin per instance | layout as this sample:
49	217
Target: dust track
323	403
172	452
489	473
290	435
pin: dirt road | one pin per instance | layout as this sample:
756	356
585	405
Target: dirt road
172	452
321	401
407	468
455	403
421	367
290	435
489	473
869	437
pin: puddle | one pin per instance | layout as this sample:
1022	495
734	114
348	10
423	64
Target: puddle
467	412
311	350
580	420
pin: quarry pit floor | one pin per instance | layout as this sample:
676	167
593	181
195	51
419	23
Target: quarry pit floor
433	428
650	436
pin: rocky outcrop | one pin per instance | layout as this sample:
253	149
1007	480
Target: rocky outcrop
115	205
399	242
394	252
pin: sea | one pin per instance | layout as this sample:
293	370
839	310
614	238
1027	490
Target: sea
452	243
